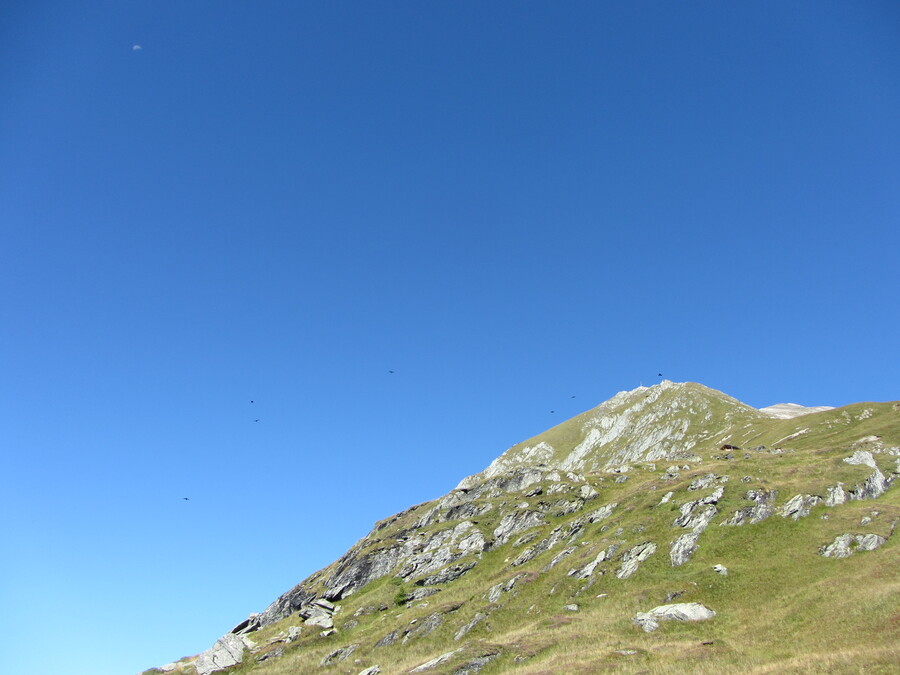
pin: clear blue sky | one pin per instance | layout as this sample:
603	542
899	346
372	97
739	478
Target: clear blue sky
507	204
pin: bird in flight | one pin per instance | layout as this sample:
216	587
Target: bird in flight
659	374
187	499
552	411
251	401
571	397
391	372
256	420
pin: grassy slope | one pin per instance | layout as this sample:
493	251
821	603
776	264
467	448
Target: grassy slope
782	608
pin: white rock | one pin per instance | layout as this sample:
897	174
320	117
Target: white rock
684	611
863	457
634	557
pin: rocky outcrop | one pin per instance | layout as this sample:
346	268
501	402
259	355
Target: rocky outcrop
447	575
835	495
799	506
228	651
632	559
685	611
763	507
476	664
846	545
417	555
338	655
874	486
683	548
319	613
647	424
705	481
443	658
516	522
696	516
588	570
495	591
462	632
558	558
601	513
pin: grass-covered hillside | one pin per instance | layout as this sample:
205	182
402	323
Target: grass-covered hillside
666	495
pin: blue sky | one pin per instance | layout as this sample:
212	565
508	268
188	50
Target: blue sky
506	204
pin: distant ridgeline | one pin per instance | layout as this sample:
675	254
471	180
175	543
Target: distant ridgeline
671	528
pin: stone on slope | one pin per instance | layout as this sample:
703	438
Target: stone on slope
846	545
633	558
874	486
702	482
371	670
461	633
321	620
835	495
494	593
863	458
475	665
684	611
443	658
448	574
228	651
339	654
601	513
763	507
516	522
683	548
799	506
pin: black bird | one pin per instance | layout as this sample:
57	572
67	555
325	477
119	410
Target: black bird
571	397
187	499
391	372
659	374
251	401
256	420
552	411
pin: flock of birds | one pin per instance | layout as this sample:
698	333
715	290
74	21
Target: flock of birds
391	372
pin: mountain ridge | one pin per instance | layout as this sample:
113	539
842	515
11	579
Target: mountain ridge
589	491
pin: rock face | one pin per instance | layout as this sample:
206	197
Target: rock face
228	651
685	611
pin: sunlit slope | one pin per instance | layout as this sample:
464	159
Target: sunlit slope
541	563
647	424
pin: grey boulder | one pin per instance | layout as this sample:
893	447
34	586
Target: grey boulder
228	651
684	611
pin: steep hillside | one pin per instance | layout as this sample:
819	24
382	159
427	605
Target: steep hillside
670	528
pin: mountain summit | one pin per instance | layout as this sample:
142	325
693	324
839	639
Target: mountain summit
647	424
670	528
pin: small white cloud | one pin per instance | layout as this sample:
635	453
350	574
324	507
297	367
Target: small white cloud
136	48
